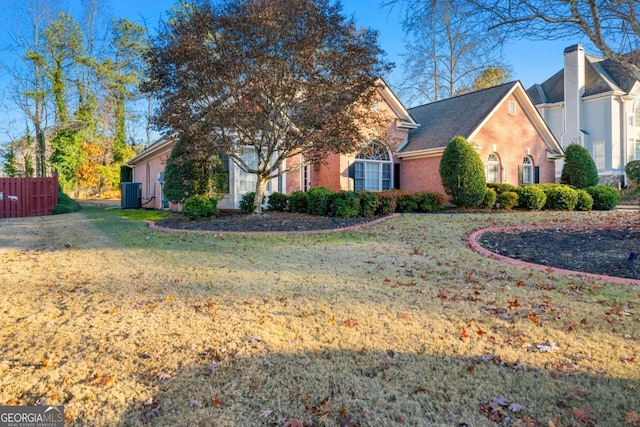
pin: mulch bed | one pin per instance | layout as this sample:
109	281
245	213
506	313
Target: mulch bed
607	251
235	221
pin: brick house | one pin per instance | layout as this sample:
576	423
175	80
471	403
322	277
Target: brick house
508	132
513	141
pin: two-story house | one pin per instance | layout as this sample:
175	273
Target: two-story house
594	103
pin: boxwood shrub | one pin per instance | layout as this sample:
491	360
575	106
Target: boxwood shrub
489	200
561	197
633	171
407	203
298	201
345	204
318	201
531	197
585	201
368	204
507	200
501	188
604	198
246	202
200	207
429	202
277	202
386	203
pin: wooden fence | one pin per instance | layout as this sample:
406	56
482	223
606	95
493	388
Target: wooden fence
20	197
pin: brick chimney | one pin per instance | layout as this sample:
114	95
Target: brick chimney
574	69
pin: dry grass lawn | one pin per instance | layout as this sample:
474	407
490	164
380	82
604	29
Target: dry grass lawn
398	324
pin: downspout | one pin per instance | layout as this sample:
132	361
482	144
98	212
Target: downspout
624	131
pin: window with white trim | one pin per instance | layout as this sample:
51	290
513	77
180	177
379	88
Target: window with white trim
492	168
527	170
247	181
373	169
512	108
634	149
598	155
636	114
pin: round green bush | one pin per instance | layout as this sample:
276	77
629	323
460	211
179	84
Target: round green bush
489	200
246	202
604	198
501	188
462	173
579	169
561	197
386	204
429	202
531	197
199	207
507	200
632	170
277	202
585	201
345	204
318	201
368	204
298	202
407	203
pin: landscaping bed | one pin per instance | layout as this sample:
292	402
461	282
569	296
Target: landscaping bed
606	251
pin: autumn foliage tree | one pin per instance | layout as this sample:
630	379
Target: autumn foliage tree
263	80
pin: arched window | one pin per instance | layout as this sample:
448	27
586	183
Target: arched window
527	171
372	169
492	168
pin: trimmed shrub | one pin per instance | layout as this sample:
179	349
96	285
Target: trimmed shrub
507	200
386	204
462	173
277	202
368	204
531	197
298	202
604	198
579	169
501	188
394	194
489	200
429	202
407	203
246	202
199	207
561	197
633	171
585	201
345	204
318	201
186	173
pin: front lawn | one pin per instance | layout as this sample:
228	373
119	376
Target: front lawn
398	324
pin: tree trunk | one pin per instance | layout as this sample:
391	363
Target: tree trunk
261	186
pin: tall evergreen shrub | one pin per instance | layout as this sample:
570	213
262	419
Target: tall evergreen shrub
579	169
462	173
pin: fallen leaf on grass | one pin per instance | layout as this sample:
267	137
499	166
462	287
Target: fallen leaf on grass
169	298
404	316
463	333
265	413
194	403
105	381
514	303
294	423
48	363
632	418
346	420
217	401
350	323
582	415
332	320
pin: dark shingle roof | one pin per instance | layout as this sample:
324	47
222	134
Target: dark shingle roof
601	76
440	121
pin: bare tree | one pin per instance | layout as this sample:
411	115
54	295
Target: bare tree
445	50
611	25
275	77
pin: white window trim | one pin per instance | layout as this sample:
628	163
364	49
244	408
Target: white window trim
599	159
512	107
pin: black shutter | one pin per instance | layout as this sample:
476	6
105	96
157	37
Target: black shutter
536	178
396	176
352	170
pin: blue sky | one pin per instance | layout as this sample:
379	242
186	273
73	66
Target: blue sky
531	62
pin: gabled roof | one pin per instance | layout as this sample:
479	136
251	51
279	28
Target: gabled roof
461	115
405	120
601	76
163	144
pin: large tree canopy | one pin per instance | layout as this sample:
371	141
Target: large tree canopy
278	77
611	25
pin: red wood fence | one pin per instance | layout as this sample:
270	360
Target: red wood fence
20	197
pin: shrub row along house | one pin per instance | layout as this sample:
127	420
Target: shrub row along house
502	123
